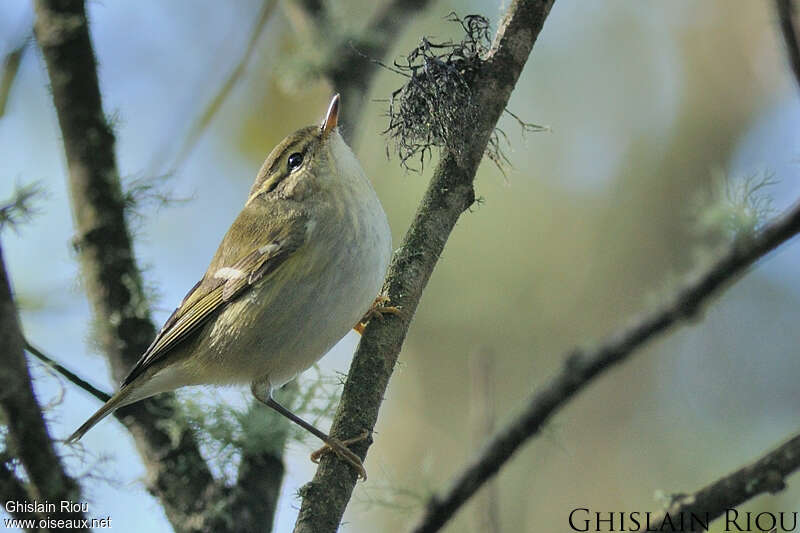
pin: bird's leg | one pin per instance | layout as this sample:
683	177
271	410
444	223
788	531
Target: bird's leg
377	309
337	446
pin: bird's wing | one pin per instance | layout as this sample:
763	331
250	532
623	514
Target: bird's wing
227	278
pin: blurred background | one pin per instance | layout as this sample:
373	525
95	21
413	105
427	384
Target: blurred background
651	105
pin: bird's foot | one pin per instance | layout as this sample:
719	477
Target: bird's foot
339	447
378	309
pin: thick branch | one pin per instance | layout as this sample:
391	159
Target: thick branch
178	475
27	439
13	490
449	194
258	488
766	475
582	366
787	14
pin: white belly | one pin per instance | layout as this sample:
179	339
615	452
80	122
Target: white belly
310	303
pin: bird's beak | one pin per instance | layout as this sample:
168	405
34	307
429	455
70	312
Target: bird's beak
331	117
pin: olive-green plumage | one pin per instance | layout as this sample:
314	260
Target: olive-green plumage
297	269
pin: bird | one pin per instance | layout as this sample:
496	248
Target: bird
298	268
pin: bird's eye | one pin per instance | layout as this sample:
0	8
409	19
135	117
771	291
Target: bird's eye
294	161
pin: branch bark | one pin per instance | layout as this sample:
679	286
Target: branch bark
177	473
27	439
12	489
68	374
765	475
449	194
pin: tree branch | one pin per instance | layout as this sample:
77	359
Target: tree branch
70	376
13	490
350	67
449	194
215	104
9	72
27	438
177	473
765	475
258	488
787	15
583	366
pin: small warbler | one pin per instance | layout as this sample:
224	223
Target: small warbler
298	268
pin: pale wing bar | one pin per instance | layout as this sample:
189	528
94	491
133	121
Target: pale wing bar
226	284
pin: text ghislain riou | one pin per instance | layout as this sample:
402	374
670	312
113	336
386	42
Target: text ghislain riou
46	507
583	519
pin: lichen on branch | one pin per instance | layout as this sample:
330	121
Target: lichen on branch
436	106
432	108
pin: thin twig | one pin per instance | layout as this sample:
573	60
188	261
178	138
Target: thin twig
787	14
351	66
581	367
71	376
765	475
449	194
215	104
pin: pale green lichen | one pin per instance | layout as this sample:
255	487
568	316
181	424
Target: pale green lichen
739	206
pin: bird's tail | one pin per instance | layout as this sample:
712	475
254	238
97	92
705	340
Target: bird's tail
120	399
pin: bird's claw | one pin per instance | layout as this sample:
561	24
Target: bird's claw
378	309
339	447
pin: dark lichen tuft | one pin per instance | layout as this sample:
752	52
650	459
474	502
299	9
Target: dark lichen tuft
435	105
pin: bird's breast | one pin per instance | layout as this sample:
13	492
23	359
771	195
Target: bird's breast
315	297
